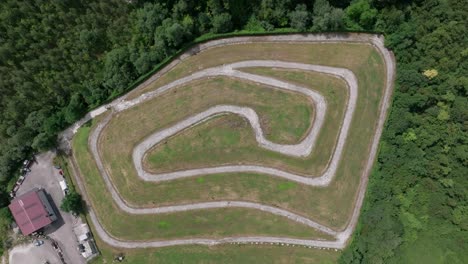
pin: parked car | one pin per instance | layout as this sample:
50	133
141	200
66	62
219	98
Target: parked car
38	242
20	180
64	187
27	164
81	248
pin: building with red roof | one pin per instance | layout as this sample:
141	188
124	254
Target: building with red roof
32	211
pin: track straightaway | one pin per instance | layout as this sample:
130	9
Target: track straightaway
302	149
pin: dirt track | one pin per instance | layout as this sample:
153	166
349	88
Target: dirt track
301	149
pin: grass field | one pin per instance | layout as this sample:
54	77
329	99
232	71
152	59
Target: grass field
226	254
228	139
347	55
117	144
200	223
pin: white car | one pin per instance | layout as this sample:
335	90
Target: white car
38	243
64	187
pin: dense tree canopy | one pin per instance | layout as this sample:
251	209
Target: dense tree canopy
72	203
60	58
416	207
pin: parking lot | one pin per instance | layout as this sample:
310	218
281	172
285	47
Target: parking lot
31	254
44	175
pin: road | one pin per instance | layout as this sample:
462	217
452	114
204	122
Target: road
341	237
44	175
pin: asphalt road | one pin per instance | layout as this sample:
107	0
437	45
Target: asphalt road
44	175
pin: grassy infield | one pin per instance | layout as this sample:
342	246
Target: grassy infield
284	117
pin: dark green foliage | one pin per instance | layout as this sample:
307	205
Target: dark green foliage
221	23
299	18
72	203
326	17
416	206
274	13
50	52
360	15
118	70
5	217
5	221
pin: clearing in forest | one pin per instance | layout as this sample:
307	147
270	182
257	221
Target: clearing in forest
248	140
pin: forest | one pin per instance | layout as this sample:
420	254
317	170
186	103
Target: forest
61	58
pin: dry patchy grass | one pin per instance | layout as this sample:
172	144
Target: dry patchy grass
200	223
330	206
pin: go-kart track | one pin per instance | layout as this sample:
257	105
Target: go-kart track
302	149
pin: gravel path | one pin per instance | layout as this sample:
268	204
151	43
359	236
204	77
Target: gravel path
301	149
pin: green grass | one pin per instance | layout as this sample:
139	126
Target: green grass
62	161
201	223
238	254
200	180
226	254
215	143
116	146
240	186
288	113
133	125
341	55
286	186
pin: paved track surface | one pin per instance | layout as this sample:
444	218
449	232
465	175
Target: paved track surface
302	149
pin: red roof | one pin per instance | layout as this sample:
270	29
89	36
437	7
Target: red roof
29	212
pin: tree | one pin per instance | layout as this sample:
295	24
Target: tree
274	13
418	193
299	17
204	23
145	21
118	70
5	221
360	15
174	33
325	17
72	203
75	109
221	23
43	141
253	24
